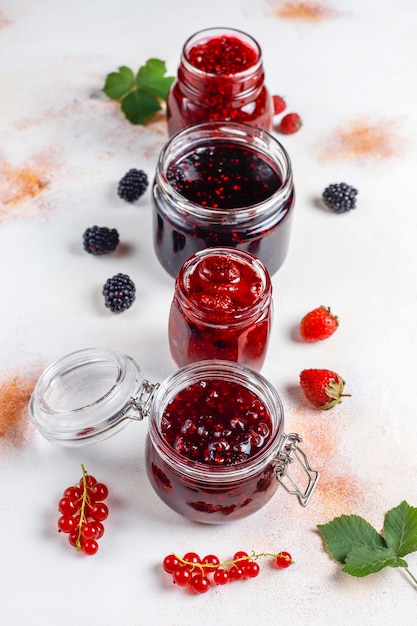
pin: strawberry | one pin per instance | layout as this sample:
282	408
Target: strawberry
279	104
290	123
323	388
318	324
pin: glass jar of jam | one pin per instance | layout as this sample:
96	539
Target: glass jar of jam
221	309
220	77
216	450
222	184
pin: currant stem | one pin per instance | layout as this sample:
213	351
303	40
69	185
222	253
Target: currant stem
84	498
411	575
206	566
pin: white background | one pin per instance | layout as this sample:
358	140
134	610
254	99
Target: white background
350	74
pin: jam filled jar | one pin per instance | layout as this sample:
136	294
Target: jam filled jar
221	309
220	77
216	450
222	184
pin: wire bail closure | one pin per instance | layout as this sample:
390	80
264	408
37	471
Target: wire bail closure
143	403
284	457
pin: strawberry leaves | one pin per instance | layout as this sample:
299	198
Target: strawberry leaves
140	96
352	541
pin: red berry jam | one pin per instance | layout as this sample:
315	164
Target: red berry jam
211	457
222	184
217	423
222	55
220	77
221	309
224	176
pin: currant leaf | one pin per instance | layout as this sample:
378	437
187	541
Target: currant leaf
118	84
365	560
347	532
400	529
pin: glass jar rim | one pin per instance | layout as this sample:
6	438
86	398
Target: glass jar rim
218	370
209	33
197	135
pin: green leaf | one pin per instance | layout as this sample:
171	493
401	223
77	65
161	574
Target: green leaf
151	78
400	529
365	560
347	532
140	97
138	106
119	83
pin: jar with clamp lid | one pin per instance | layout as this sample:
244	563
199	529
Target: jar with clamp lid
216	450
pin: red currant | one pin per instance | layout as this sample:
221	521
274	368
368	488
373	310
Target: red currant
73	492
89	546
200	583
235	573
169	563
99	511
182	575
67	506
251	569
89	530
212	561
221	576
240	555
88	481
73	539
100	529
99	492
283	560
191	557
67	524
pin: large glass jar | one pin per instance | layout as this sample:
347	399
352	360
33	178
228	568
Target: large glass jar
221	309
220	77
210	464
222	184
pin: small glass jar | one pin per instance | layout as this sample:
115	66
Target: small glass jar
221	309
220	77
91	394
222	184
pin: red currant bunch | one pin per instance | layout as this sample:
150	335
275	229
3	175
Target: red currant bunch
198	574
83	513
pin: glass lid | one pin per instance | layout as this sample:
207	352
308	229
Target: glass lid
85	396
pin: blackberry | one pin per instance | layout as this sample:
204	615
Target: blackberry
133	185
119	293
100	240
340	197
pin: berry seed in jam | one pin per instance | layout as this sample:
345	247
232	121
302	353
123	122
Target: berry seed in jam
216	422
221	309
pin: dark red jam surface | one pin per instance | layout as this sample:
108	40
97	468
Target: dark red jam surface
221	91
222	55
216	423
222	311
223	177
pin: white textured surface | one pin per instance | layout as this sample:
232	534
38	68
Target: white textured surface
353	66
